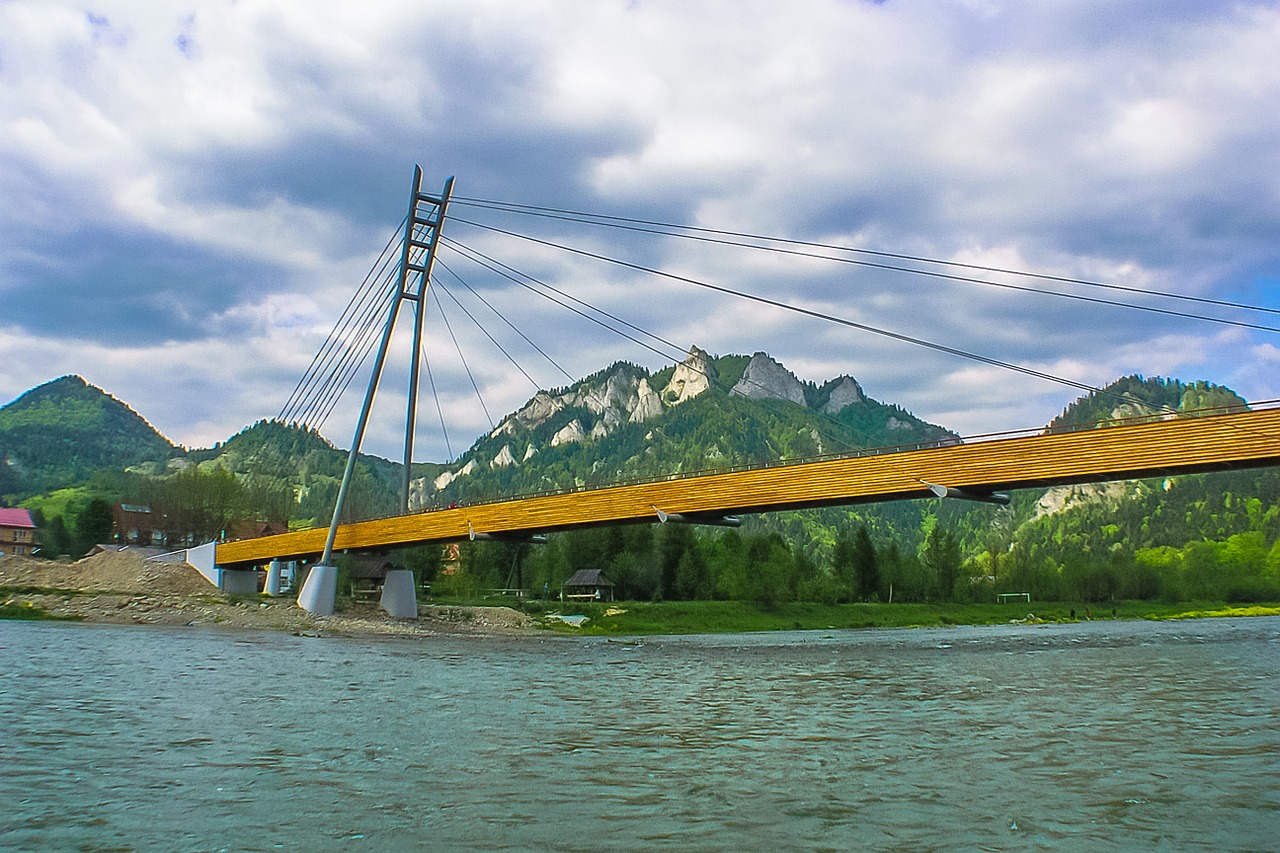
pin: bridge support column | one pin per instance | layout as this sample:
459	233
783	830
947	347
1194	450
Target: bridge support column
399	598
272	586
320	591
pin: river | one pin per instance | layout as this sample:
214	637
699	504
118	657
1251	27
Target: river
1093	736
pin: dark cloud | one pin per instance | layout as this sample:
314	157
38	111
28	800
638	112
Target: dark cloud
110	286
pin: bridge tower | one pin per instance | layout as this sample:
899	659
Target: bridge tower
417	256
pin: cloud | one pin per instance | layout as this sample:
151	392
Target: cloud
195	189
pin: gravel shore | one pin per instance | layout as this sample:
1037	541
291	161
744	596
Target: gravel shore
122	588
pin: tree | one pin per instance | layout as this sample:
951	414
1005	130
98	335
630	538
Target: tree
94	525
941	558
693	578
268	499
997	541
808	581
728	563
55	539
866	566
844	567
675	541
10	482
199	506
769	566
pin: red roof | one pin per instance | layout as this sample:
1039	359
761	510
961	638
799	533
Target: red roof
16	518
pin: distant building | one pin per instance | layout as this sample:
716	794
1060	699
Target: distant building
17	532
136	524
156	526
249	529
588	584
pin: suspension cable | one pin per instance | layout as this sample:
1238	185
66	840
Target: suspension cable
445	317
355	308
628	223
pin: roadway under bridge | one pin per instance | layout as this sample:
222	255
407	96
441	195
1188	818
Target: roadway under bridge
1177	445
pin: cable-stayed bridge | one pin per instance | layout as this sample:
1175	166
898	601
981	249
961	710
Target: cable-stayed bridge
979	469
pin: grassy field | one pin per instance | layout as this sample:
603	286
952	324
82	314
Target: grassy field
708	617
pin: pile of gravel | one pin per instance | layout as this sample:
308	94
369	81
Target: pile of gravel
119	571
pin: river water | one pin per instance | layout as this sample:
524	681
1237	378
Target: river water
1096	736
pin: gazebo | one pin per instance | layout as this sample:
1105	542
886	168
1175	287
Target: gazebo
587	584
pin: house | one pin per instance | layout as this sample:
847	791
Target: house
136	524
588	584
17	532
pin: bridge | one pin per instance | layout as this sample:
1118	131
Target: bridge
1181	445
982	468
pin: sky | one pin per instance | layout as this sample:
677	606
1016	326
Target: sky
193	190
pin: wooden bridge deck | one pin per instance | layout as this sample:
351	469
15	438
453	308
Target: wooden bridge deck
1175	446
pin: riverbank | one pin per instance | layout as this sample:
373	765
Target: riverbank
122	588
631	618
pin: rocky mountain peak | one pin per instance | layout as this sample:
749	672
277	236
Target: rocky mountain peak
648	404
593	411
571	433
845	392
535	413
613	392
691	377
766	379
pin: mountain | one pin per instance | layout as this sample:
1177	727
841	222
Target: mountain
703	413
272	458
1139	397
64	431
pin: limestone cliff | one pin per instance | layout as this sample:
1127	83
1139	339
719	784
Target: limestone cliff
692	377
845	392
766	379
648	404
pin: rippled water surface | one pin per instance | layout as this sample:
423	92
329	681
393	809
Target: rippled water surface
1100	736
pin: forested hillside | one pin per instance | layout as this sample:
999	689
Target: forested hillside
65	431
1137	397
72	452
298	472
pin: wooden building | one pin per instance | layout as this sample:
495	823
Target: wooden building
588	584
17	532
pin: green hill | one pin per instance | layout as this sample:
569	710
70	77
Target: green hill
64	431
1137	397
272	460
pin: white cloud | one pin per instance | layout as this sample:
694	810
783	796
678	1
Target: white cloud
217	178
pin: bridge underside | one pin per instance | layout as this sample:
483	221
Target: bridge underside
1161	448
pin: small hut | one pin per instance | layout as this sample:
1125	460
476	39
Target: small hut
366	574
587	584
